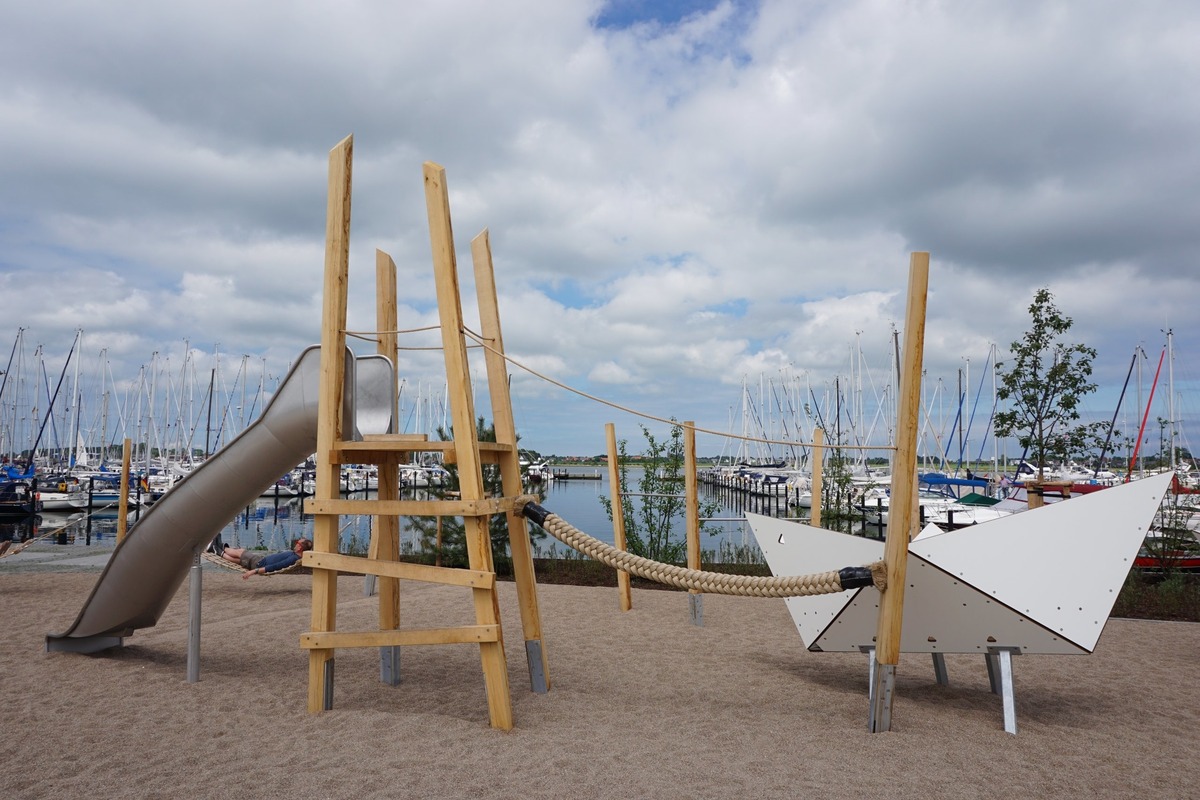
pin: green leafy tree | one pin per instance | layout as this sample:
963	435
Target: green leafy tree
650	524
838	497
453	529
1043	386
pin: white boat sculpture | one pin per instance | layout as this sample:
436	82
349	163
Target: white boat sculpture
1043	581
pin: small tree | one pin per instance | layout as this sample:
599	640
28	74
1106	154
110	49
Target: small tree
1043	387
453	529
649	526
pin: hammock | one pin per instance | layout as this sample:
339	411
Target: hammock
213	558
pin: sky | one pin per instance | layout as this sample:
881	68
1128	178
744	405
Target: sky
700	210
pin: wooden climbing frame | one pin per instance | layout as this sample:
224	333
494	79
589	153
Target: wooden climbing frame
389	450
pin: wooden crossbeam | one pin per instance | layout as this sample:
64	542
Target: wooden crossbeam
483	507
475	579
467	634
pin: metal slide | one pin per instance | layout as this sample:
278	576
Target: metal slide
150	563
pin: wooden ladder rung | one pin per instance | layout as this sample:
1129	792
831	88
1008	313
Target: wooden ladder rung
475	579
467	634
485	507
397	448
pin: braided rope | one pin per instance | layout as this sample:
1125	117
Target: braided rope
707	582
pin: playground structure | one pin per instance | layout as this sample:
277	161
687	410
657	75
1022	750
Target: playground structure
343	409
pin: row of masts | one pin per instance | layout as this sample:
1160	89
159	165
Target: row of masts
857	409
183	408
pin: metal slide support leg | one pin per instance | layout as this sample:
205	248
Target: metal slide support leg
939	669
194	601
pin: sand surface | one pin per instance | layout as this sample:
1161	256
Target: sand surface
643	705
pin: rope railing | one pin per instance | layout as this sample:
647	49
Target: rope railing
726	434
483	343
830	582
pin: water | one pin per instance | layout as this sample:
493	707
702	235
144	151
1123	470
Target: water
275	523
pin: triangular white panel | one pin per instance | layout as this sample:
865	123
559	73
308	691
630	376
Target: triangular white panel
1062	564
792	548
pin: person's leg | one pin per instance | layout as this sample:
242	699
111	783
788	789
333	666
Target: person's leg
233	554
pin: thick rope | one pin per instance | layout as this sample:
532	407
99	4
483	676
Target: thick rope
829	582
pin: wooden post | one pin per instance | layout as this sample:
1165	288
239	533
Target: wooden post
385	533
466	444
902	517
329	420
818	459
692	511
123	495
624	594
510	461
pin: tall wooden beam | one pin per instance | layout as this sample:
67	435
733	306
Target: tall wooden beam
818	472
329	420
903	520
624	593
509	461
385	533
691	502
466	443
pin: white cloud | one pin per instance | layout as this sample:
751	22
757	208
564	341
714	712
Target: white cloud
673	207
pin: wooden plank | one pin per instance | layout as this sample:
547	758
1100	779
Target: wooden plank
509	462
330	398
691	498
466	445
818	463
385	532
123	493
392	437
382	441
474	579
624	593
903	522
467	634
412	508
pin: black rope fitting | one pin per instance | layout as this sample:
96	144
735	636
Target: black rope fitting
535	513
855	577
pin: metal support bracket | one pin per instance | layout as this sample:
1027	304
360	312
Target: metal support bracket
696	609
939	669
1000	675
328	696
389	665
537	675
195	598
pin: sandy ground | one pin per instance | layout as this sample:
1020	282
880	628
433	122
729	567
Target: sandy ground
643	704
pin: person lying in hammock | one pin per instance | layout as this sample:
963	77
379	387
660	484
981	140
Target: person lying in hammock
260	562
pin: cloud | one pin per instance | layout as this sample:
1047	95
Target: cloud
680	196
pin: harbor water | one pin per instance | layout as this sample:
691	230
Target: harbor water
273	523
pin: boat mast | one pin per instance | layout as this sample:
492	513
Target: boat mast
1171	396
73	437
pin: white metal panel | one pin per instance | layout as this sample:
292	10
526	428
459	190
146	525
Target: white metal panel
1062	564
792	548
942	614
